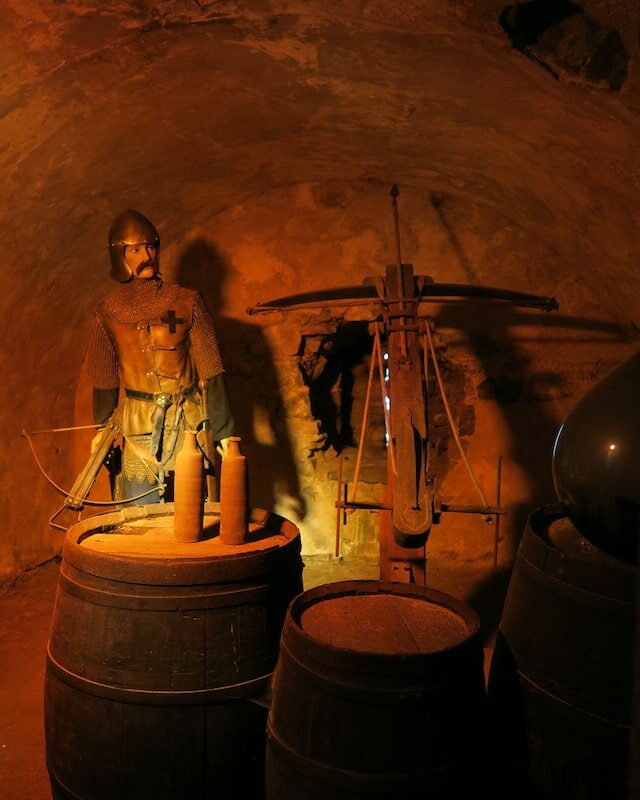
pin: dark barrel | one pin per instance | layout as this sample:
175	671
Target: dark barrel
378	693
561	677
158	654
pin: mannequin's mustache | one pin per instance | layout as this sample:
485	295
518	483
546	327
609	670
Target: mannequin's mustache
144	265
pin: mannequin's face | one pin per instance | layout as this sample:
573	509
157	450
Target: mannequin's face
142	260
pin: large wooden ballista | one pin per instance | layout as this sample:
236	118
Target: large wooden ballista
402	345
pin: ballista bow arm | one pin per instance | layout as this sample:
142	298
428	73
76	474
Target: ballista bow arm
426	290
395	301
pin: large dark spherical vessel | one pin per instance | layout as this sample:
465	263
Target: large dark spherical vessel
596	462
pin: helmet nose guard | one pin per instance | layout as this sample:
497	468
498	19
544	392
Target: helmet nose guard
130	227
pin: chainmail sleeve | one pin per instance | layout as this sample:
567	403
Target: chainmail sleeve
101	356
103	371
204	342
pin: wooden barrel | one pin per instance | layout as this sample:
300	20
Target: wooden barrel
560	684
157	653
378	693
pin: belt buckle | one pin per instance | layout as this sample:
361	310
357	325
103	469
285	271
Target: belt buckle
161	399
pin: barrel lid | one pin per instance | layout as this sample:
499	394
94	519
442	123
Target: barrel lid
564	535
553	546
384	623
370	625
137	543
153	538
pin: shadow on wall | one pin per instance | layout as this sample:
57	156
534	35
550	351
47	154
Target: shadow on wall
252	382
327	365
518	381
520	390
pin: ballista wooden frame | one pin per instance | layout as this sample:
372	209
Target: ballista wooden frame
410	507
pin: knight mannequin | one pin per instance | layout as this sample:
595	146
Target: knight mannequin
154	362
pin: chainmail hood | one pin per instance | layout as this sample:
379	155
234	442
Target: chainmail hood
139	299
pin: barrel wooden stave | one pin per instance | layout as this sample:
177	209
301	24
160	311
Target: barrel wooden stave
152	680
218	635
139	750
349	725
561	676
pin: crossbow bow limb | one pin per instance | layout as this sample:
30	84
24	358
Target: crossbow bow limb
76	497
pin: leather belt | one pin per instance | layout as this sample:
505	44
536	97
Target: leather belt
163	400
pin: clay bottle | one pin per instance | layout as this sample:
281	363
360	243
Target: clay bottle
189	495
233	495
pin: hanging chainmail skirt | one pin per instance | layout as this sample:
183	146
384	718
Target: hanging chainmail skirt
141	470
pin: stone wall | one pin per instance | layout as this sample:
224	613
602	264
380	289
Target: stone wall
511	375
263	141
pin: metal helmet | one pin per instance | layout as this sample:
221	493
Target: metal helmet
130	227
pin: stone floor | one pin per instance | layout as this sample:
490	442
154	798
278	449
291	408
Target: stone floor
25	613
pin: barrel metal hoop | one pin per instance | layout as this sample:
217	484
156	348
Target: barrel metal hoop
201	600
380	663
384	694
608	577
538	688
386	665
599	601
148	697
227	568
368	783
172	572
358	588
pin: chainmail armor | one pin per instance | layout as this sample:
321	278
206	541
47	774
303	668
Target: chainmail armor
103	364
136	467
204	342
144	299
139	299
137	462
